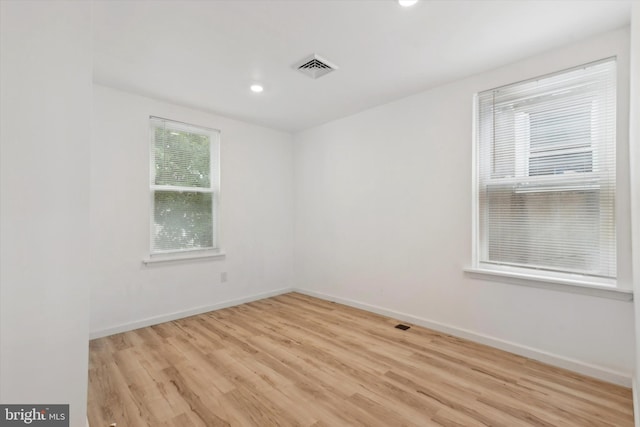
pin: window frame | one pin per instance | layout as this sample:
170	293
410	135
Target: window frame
522	275
214	250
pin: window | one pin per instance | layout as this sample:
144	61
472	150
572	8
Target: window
546	175
184	187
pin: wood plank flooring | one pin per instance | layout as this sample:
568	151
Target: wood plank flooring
294	360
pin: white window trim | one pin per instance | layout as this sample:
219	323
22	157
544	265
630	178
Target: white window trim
216	252
191	255
558	282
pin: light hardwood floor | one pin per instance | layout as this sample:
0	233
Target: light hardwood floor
296	360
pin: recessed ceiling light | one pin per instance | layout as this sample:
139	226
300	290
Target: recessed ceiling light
256	88
407	3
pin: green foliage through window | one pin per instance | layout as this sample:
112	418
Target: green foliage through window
182	220
183	158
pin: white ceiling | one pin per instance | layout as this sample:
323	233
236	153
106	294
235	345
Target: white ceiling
206	54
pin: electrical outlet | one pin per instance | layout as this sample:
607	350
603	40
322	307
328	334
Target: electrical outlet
223	276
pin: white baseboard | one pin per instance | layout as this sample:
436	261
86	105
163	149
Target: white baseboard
602	373
149	321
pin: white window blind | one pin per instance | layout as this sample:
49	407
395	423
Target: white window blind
547	173
184	186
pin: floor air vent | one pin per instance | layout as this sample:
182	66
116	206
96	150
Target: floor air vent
403	327
314	66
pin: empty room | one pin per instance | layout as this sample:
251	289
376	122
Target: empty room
319	213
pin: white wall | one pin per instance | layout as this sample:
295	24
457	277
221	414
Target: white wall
383	219
256	217
634	141
45	77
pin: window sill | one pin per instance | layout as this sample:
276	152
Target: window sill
574	285
178	256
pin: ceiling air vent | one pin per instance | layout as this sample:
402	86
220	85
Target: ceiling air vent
314	66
